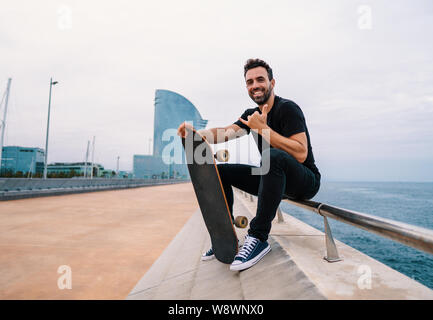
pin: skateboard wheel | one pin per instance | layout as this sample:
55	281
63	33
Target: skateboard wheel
241	222
222	155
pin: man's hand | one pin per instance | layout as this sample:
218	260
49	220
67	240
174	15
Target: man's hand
257	122
181	131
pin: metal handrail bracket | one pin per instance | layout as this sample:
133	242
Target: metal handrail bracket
331	248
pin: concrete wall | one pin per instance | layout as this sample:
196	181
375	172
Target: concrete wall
15	188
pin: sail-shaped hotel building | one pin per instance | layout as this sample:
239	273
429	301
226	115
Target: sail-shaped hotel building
168	160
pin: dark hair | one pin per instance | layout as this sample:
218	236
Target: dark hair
254	63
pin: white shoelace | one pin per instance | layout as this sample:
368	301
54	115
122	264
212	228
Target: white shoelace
247	248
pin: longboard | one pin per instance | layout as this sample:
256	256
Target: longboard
208	188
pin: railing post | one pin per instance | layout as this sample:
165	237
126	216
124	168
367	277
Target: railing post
280	216
331	248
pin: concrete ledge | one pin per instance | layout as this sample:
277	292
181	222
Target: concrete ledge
180	274
358	276
294	269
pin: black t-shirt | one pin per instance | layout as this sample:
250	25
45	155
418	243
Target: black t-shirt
287	119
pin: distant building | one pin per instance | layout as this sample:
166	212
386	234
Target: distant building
22	160
74	169
171	109
125	174
107	173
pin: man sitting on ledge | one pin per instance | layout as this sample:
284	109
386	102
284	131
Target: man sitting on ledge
287	165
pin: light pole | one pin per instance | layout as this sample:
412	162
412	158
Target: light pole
48	128
3	122
117	169
93	157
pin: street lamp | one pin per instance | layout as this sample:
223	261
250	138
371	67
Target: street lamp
48	128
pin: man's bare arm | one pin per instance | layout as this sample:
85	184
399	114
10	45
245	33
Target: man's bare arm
296	145
215	135
219	135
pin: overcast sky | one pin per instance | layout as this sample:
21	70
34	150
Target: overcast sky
362	72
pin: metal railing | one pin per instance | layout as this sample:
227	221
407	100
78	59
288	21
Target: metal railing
413	236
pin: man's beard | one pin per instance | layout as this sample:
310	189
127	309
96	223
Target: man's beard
261	100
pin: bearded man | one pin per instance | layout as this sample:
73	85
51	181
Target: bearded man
287	165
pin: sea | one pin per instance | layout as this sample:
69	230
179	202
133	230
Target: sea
409	202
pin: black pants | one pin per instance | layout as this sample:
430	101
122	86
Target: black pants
285	176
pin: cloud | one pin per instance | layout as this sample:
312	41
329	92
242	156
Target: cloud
365	93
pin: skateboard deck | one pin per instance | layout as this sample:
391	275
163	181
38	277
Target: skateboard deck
210	196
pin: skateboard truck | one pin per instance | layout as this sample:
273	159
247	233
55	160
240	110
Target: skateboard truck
222	155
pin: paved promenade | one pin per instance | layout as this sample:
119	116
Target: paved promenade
146	243
107	239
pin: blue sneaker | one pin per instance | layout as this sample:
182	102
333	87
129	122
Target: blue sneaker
208	255
252	251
